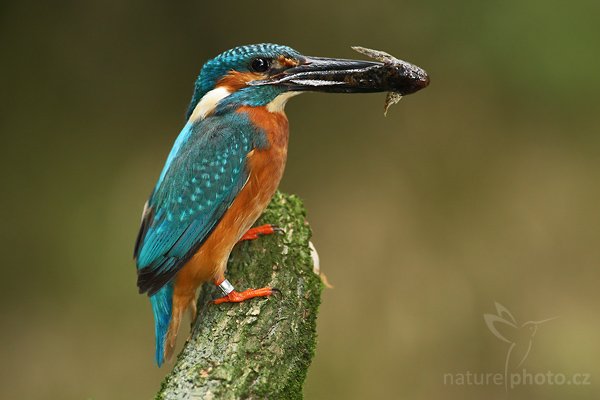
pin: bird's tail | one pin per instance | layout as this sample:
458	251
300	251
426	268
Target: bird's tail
162	307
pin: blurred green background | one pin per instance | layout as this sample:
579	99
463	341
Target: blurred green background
482	188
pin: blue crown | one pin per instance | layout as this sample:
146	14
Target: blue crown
237	59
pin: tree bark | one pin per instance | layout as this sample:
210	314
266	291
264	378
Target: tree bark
261	348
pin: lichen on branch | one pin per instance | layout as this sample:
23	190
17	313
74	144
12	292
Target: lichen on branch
261	348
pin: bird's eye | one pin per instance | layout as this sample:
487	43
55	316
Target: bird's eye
260	64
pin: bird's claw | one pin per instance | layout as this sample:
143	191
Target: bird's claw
256	232
238	297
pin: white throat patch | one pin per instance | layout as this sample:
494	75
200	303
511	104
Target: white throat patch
278	103
208	103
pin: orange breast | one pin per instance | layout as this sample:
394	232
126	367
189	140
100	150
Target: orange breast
265	171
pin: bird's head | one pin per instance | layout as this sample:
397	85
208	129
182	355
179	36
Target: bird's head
531	327
268	74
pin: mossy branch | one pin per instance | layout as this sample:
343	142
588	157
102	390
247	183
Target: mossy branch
262	348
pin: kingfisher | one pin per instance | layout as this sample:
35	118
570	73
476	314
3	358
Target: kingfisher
225	166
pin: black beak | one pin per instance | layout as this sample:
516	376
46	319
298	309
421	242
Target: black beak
335	75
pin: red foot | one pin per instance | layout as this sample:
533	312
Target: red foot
238	297
262	230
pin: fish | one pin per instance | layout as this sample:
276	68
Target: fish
391	75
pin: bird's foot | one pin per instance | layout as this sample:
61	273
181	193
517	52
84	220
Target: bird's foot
255	233
238	297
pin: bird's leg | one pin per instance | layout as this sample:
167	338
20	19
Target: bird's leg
232	296
254	233
193	312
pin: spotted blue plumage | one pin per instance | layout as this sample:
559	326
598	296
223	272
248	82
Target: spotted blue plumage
203	178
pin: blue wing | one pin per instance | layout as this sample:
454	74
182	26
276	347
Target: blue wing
203	174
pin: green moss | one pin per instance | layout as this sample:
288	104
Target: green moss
261	348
